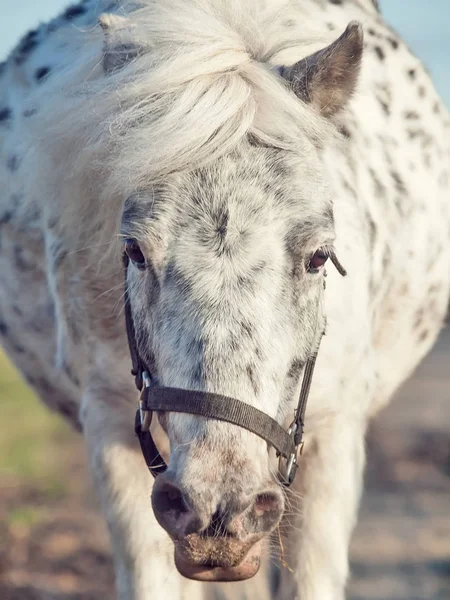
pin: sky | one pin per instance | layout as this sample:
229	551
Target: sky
424	24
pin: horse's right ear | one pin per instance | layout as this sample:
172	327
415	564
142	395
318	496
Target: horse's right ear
119	49
328	78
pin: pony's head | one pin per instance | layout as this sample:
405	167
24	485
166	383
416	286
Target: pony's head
215	147
226	285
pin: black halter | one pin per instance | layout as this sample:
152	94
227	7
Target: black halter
213	406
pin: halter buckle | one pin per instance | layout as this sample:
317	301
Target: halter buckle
287	467
146	415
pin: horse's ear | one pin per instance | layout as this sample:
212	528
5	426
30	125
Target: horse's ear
118	49
328	78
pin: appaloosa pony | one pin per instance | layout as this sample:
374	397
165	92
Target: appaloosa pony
222	151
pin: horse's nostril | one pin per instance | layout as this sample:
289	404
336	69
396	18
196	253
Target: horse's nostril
268	502
168	498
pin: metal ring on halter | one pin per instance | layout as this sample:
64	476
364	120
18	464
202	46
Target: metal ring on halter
287	467
146	415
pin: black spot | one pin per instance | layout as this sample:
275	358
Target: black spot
18	348
380	189
295	369
335	1
221	220
3	329
411	115
345	132
29	112
247	328
436	108
393	42
412	73
245	283
379	52
13	163
414	133
371	31
398	181
5	114
253	380
385	106
74	11
331	26
6	217
41	73
28	43
421	91
372	230
70	412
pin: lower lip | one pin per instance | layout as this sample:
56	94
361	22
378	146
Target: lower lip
247	569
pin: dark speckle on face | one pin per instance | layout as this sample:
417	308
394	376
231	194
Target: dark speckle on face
345	132
27	45
29	112
394	43
12	163
296	368
41	73
6	217
379	52
253	380
74	11
5	114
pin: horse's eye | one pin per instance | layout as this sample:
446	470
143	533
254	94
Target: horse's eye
135	253
317	260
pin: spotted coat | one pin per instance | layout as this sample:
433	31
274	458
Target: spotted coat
61	300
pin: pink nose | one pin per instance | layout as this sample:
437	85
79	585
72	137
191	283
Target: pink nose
181	515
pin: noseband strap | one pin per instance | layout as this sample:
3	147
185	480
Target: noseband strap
211	406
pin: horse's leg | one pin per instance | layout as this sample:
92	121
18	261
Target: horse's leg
325	503
143	553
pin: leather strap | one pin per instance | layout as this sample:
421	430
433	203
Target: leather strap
154	460
138	366
222	408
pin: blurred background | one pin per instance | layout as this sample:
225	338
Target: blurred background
53	545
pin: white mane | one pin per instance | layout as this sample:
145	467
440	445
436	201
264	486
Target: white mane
199	85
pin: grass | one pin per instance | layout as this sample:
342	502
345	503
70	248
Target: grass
31	437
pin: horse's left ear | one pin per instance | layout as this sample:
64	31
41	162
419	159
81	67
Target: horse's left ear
328	78
118	48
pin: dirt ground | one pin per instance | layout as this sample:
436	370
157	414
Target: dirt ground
56	548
